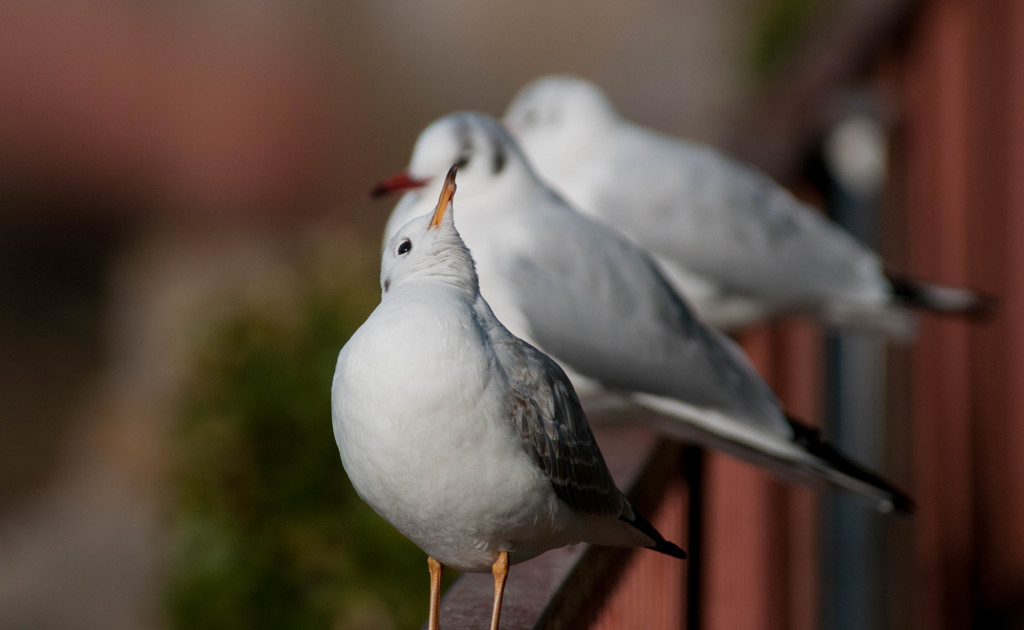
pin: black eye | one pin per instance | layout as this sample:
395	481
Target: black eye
404	247
463	161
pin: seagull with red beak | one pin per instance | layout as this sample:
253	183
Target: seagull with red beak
600	306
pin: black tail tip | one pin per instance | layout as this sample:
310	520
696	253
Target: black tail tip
660	544
984	307
669	549
900	505
888	499
940	299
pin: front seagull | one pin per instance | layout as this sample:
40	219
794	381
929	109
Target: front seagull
598	305
468	440
737	244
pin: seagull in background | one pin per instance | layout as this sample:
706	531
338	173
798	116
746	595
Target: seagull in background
468	440
739	246
599	305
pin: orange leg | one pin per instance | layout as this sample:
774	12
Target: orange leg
436	571
500	570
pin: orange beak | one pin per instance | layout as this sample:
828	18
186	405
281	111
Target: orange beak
447	193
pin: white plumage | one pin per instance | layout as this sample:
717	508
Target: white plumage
468	440
737	244
599	305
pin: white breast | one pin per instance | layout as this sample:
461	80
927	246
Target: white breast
421	426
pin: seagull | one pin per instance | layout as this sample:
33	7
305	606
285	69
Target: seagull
737	244
467	439
599	305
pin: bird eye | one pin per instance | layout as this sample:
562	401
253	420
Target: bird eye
404	247
463	161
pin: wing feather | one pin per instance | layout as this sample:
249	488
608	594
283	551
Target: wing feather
617	320
550	421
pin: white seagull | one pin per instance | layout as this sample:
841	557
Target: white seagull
468	440
738	245
597	303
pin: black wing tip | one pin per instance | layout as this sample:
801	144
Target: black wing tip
896	501
669	549
660	544
903	505
984	307
936	298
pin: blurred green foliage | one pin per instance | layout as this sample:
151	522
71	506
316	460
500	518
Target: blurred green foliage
777	26
268	531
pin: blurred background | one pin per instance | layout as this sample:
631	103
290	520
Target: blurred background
184	249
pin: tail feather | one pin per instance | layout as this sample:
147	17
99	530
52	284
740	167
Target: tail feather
799	454
660	544
846	473
939	298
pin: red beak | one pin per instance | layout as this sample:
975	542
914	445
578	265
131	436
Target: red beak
395	184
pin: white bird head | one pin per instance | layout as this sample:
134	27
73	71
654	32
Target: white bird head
485	152
430	248
554	117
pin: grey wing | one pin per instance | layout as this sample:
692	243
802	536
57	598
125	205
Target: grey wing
617	320
731	223
549	419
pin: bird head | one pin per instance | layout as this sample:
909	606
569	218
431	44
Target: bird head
555	117
484	151
429	247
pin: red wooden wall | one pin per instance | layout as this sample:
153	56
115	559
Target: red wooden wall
761	549
962	161
954	213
